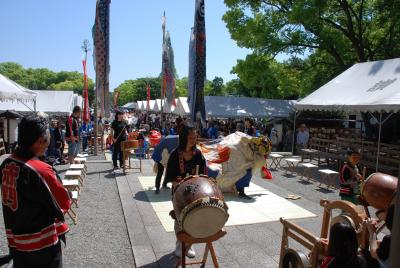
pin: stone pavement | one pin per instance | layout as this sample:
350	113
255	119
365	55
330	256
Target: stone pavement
255	245
118	227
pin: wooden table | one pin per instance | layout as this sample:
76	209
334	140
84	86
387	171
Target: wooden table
327	176
276	161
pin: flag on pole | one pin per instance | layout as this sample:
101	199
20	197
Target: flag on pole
197	65
148	98
101	52
86	114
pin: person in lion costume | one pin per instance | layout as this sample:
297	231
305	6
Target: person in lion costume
231	160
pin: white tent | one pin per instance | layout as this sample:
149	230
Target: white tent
157	105
140	105
232	107
48	101
130	105
152	104
182	107
365	87
169	109
11	91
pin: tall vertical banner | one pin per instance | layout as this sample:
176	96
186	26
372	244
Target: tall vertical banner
148	98
169	72
116	97
86	114
101	55
197	65
168	69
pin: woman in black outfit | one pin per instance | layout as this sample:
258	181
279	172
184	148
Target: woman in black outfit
182	162
119	134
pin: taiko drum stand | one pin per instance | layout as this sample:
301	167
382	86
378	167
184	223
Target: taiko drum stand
186	239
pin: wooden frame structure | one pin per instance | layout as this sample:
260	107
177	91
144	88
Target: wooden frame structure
314	243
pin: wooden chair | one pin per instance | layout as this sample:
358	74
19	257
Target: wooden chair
129	148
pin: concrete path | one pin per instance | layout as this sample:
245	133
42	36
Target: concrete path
255	245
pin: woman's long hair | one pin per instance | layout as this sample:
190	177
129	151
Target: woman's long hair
343	245
184	135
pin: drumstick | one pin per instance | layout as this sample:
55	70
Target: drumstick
197	169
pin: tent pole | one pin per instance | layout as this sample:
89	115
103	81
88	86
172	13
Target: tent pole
294	132
379	141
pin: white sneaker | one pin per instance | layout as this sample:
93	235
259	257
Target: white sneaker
191	253
178	251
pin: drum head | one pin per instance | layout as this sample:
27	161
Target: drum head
204	221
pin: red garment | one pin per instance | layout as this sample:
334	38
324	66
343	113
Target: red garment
34	202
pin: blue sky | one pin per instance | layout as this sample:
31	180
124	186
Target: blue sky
49	33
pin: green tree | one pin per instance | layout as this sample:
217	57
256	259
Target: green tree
135	90
335	34
236	87
45	79
217	87
181	87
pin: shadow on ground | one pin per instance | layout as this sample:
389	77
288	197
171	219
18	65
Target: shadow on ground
165	261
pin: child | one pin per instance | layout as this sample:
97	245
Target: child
342	248
349	177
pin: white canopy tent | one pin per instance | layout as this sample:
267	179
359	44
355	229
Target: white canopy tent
232	107
130	105
182	107
55	102
13	92
365	87
140	105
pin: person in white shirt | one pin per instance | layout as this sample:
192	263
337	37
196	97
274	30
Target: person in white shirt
302	137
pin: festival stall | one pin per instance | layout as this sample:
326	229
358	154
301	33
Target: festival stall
370	87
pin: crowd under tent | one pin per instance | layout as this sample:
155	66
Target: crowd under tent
12	94
51	102
370	87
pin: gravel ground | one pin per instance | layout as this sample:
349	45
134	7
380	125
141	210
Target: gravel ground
100	238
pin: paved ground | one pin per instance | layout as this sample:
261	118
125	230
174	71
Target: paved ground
256	245
111	235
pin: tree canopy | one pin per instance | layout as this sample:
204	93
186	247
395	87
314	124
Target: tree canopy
323	37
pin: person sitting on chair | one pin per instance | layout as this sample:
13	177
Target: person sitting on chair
184	161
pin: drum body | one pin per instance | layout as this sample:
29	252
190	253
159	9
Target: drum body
379	189
199	206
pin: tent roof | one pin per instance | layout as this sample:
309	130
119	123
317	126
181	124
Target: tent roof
48	101
231	107
11	91
365	87
130	105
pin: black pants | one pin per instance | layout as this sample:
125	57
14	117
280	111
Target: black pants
117	154
160	171
50	257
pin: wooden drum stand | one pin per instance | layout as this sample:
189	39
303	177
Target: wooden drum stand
186	239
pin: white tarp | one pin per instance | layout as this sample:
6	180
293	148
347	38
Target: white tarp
182	107
140	105
11	91
48	101
365	87
130	105
169	108
232	107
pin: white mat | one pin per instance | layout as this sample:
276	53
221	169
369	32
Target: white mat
265	207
